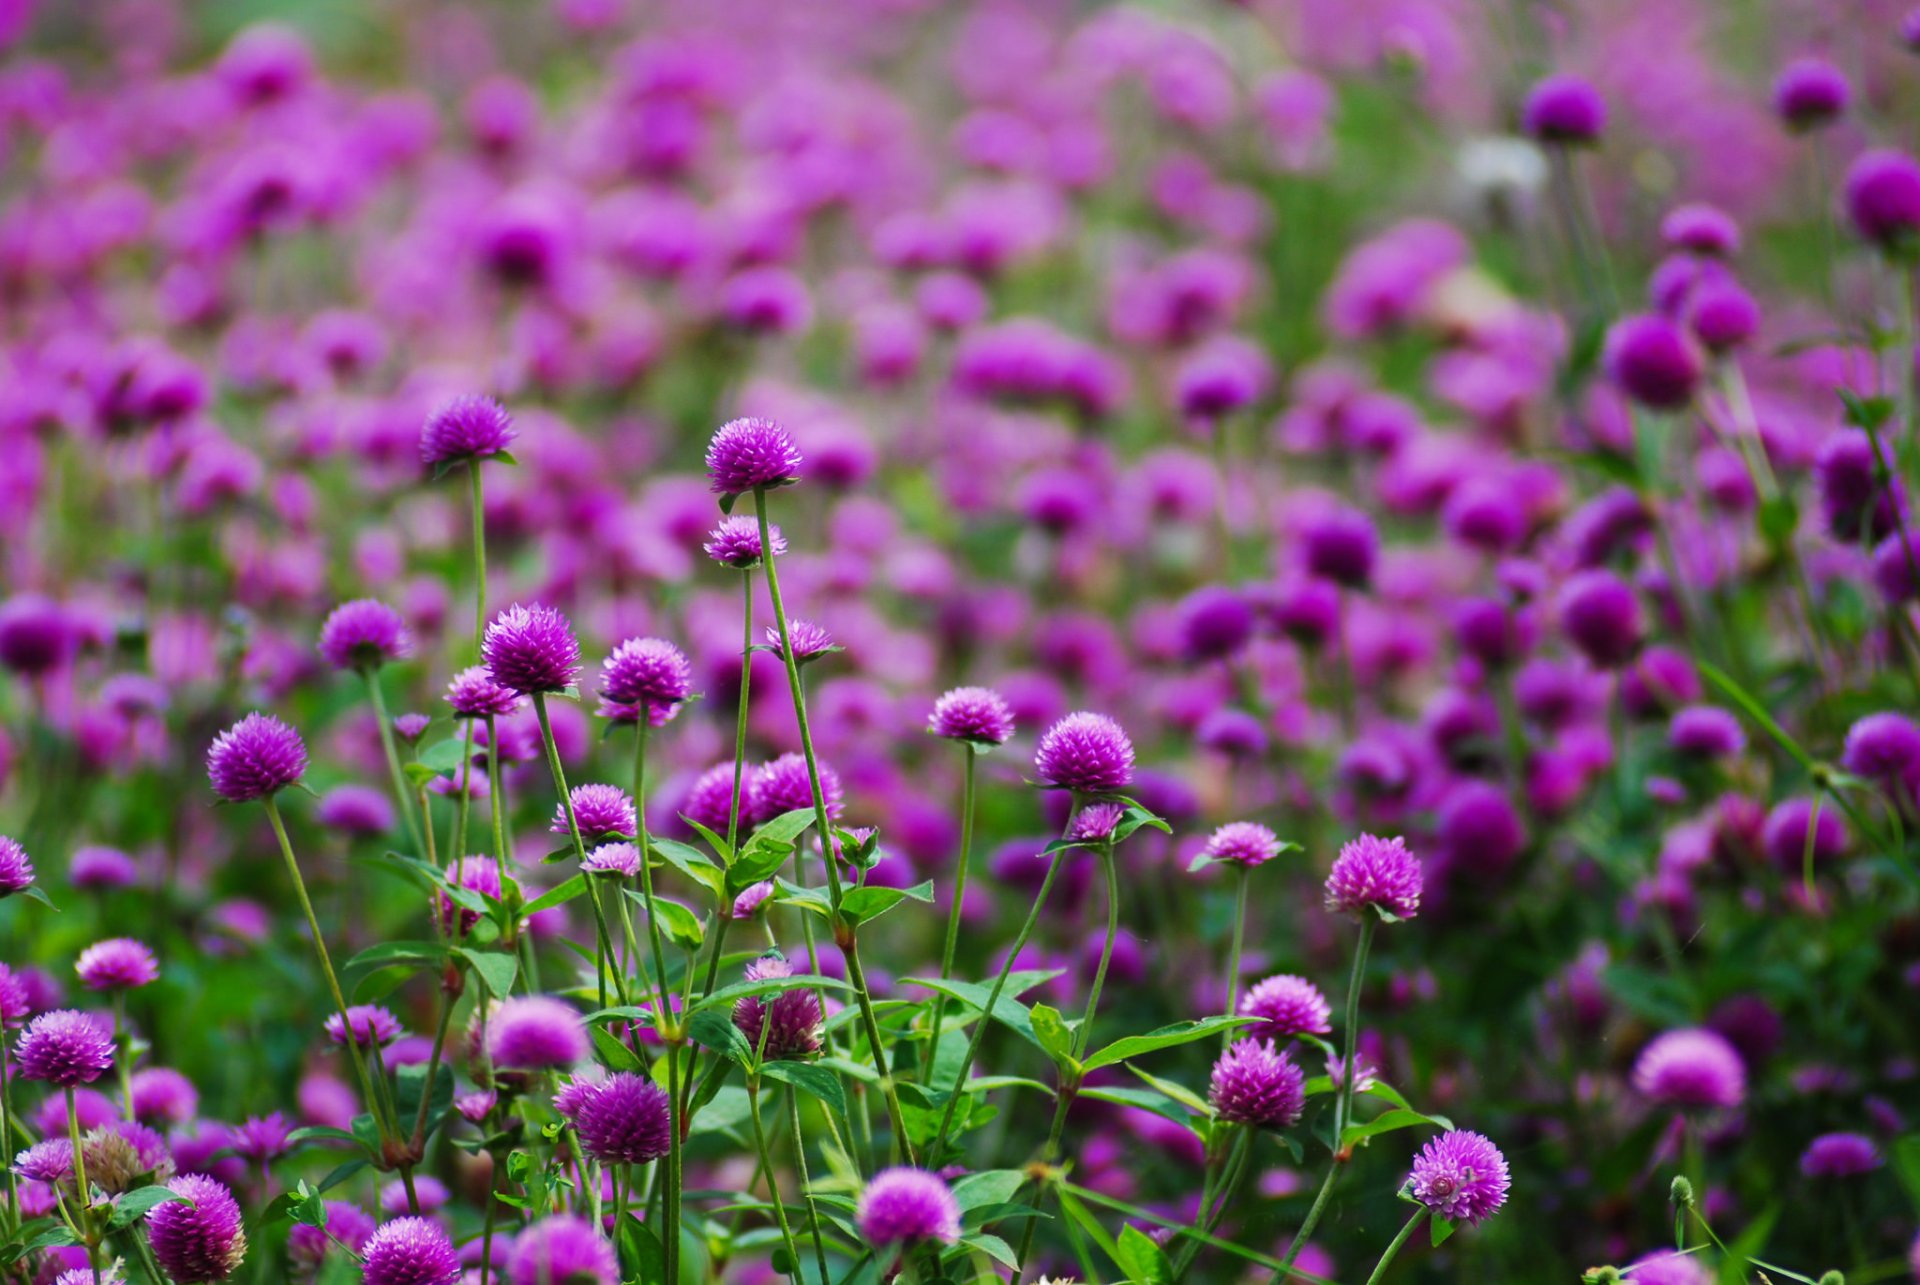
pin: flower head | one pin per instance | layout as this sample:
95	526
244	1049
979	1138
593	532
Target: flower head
371	1025
789	1020
752	898
1691	1068
783	786
977	715
1810	93
1286	1005
1461	1176
65	1047
350	1225
562	1250
200	1241
475	874
364	635
735	542
16	869
1653	361
474	694
1882	195
749	453
1377	873
262	1138
531	650
622	1119
618	860
903	1204
1255	1084
601	811
647	677
1601	616
117	964
465	428
1564	109
810	641
410	1251
1096	822
535	1033
256	758
1084	752
1839	1155
1242	843
1882	746
1341	545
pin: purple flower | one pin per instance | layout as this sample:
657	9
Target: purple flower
904	1205
1882	195
411	727
1794	826
1341	546
475	874
1706	731
1690	1068
1601	616
710	798
1667	1268
358	810
647	676
619	860
1564	109
531	650
810	641
1461	1176
789	1019
117	964
735	542
562	1248
256	758
1253	1084
13	999
94	866
16	870
1653	361
372	1026
783	786
262	1138
49	1161
602	812
364	634
1242	843
202	1241
410	1251
37	635
347	1223
1096	822
536	1033
1375	873
65	1048
623	1119
1839	1155
1215	622
750	900
465	428
1286	1005
1084	752
474	694
1701	229
162	1094
977	715
1882	746
1810	92
750	453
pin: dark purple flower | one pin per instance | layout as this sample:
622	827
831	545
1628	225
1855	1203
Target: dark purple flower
1564	109
783	786
465	428
36	635
977	715
346	1223
163	1095
904	1205
1796	825
1600	615
536	1033
623	1119
750	453
49	1160
602	812
810	641
358	810
1653	361
117	964
262	1139
1286	1006
1839	1155
789	1020
1253	1084
1706	731
372	1026
202	1241
1461	1176
1375	873
617	860
735	542
475	874
531	649
1215	622
474	694
64	1048
1882	746
1723	315
1810	92
562	1250
16	869
749	902
647	676
1084	752
1690	1068
1341	546
364	634
1882	196
256	758
410	1251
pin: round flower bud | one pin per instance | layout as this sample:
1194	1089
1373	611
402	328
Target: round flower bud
536	1033
1810	93
117	964
1601	616
978	715
465	428
410	1251
788	1020
1692	1068
1882	196
1253	1084
904	1205
623	1119
65	1048
562	1248
749	453
1085	752
531	649
1375	873
202	1241
1564	109
363	635
1653	361
1286	1006
735	542
256	758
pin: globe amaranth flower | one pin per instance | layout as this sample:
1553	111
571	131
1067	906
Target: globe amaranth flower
789	1019
14	1005
475	874
1699	228
1600	615
371	1026
1882	746
1810	93
735	542
16	869
752	898
1653	361
1242	843
357	810
1257	1085
1882	196
465	428
1341	545
262	1138
562	1248
535	1033
1286	1005
810	641
647	677
602	812
977	715
364	635
256	758
1691	1068
1800	828
904	1205
163	1095
410	1251
1096	822
616	860
117	964
531	650
341	1221
1376	873
1084	752
65	1048
1839	1155
1461	1176
623	1119
783	786
432	1194
1706	731
749	453
474	694
1666	1268
49	1160
1564	109
200	1241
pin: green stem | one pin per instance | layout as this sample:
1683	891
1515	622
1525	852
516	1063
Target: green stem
1393	1246
1334	1169
959	896
1343	1111
466	806
646	868
1244	877
84	1189
123	1052
602	945
806	1182
497	797
6	1135
1084	1035
400	792
773	1185
479	558
746	686
670	1200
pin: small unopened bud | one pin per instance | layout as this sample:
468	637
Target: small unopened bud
1682	1193
1602	1276
1831	1277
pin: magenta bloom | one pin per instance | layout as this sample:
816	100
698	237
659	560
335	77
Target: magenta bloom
789	1019
647	677
619	860
474	694
536	1033
623	1119
410	1251
735	542
1811	92
1701	229
357	810
347	1223
1692	1068
1600	615
531	650
1377	873
1564	109
50	1161
16	869
602	812
752	898
163	1095
1096	822
465	428
65	1048
364	634
1084	752
1668	1268
475	874
1254	1084
904	1205
1242	843
782	786
977	715
562	1249
1706	731
117	964
371	1025
202	1241
750	453
1341	546
1882	196
1839	1155
1653	361
1882	746
1286	1005
810	641
1461	1176
256	758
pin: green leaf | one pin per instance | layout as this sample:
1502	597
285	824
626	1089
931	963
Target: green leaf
1008	1011
445	756
1144	1262
691	862
993	1247
133	1206
1389	1122
1143	1099
496	970
865	904
313	1132
757	861
1442	1229
817	1081
389	954
34	892
991	1187
785	828
713	1029
558	896
1756	711
614	1052
642	1256
720	846
1906	1164
678	922
1055	1040
1166	1037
